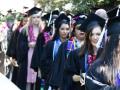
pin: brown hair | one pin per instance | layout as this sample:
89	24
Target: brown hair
111	60
87	45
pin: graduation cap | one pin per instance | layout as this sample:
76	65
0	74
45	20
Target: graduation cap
61	18
114	12
92	18
46	16
55	12
52	16
33	11
113	26
9	11
25	7
79	18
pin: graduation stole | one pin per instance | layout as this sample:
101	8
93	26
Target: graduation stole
47	37
91	59
117	79
31	36
57	44
72	45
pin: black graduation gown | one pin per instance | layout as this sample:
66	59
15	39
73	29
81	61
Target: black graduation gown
38	50
22	53
58	64
94	79
10	46
74	65
46	64
47	61
11	51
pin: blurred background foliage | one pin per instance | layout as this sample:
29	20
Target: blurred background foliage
75	6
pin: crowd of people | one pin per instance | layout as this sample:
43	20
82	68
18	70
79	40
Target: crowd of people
62	51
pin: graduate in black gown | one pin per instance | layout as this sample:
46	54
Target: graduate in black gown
73	43
11	51
81	59
105	72
25	47
51	48
42	39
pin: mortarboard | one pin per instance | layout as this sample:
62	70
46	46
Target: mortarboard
46	16
25	7
113	25
52	16
55	12
9	11
114	12
62	17
92	18
79	18
33	11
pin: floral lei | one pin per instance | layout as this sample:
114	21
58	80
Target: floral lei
32	38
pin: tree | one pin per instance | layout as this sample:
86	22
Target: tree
84	6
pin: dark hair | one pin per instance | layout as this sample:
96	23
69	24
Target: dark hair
21	23
111	62
88	46
56	35
74	27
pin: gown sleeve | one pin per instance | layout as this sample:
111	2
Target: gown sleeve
38	50
46	60
74	66
58	66
22	48
94	81
11	51
10	46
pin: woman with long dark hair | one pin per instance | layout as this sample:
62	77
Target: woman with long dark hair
81	59
77	39
51	48
105	72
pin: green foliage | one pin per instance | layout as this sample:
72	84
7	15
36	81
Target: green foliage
79	5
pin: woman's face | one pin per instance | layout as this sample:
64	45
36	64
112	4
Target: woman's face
64	31
36	19
25	20
79	34
94	36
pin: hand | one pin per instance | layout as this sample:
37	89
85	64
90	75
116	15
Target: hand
7	62
76	78
82	79
31	44
14	63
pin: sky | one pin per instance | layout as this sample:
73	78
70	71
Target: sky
15	4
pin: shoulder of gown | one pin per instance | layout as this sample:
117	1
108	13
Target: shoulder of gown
94	79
